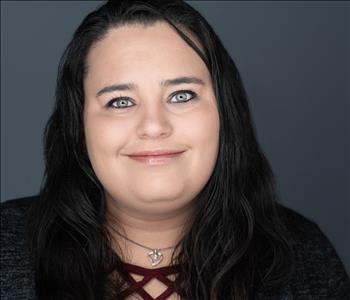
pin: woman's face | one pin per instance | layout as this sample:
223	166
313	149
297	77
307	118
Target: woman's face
147	113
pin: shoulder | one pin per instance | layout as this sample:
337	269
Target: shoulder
13	209
303	230
13	218
16	270
319	272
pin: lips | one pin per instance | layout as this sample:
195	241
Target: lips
156	153
156	157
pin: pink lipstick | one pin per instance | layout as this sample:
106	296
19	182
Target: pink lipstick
157	157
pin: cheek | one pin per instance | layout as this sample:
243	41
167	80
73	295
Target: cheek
104	137
105	140
204	127
202	132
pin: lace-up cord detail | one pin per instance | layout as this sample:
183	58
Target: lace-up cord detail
149	274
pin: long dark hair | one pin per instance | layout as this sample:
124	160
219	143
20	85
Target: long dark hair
238	242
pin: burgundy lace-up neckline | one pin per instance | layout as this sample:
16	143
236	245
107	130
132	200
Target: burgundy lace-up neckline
149	274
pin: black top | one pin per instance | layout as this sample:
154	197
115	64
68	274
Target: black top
319	274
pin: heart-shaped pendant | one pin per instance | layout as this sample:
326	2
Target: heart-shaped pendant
155	257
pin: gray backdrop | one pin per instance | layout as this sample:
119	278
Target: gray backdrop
294	60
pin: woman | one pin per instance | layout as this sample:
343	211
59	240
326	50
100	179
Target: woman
155	186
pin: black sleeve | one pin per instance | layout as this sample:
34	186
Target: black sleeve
16	276
320	273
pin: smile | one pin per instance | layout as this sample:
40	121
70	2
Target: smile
156	159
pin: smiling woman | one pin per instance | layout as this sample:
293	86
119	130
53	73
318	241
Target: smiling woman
155	185
160	113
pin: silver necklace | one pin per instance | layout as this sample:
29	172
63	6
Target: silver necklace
154	256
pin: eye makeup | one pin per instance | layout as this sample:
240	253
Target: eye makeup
193	95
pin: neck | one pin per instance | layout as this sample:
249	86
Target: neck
152	231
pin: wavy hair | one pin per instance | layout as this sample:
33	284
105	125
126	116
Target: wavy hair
238	242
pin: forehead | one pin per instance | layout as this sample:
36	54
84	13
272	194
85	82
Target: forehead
136	49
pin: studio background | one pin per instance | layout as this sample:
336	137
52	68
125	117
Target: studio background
294	61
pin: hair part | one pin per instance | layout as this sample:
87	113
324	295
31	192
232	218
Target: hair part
238	241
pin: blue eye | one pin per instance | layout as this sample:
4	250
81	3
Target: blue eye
181	98
121	100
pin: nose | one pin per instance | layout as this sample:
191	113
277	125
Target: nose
154	122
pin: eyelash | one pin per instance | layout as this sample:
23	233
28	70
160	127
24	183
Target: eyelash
193	94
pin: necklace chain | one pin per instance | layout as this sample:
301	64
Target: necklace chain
136	243
154	256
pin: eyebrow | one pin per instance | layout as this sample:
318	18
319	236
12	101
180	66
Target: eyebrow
168	82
